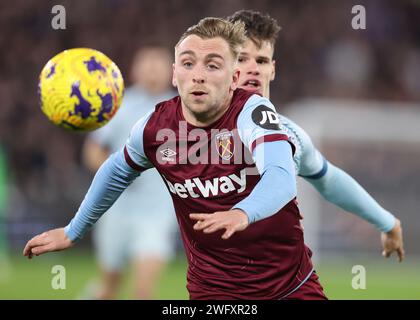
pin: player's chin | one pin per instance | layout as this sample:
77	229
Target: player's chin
199	106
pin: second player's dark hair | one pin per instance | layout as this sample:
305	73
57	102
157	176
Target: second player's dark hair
259	27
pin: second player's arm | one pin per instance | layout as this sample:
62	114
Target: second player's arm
341	189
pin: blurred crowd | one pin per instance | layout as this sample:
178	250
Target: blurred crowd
318	55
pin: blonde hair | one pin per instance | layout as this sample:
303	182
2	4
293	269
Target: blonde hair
232	32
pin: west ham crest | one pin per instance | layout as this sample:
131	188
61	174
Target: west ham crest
224	145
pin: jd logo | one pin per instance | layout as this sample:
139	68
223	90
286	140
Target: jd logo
270	116
266	118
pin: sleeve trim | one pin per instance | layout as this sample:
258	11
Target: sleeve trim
271	138
131	163
319	174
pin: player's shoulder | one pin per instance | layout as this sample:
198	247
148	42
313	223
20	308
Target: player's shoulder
163	116
167	106
163	110
249	100
258	110
256	105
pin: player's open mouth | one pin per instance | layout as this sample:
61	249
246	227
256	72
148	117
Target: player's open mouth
198	93
251	84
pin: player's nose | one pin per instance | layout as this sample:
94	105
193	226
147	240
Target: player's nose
253	68
198	78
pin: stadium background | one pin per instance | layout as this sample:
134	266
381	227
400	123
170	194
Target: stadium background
319	56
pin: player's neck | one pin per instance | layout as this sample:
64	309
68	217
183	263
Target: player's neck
266	93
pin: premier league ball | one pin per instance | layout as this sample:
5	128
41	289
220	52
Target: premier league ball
80	89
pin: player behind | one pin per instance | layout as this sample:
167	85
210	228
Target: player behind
257	68
239	219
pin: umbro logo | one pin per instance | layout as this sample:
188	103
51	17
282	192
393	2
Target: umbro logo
168	154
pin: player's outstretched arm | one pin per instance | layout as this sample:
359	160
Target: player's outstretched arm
110	181
112	178
340	188
53	240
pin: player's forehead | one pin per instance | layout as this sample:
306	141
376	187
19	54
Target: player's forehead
198	47
250	48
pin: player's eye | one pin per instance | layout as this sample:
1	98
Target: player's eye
262	61
241	59
212	66
187	64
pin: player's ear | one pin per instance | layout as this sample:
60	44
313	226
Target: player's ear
235	79
173	75
273	70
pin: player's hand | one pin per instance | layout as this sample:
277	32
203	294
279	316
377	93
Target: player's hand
232	221
53	240
393	241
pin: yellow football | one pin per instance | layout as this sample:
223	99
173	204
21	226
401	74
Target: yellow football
80	89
